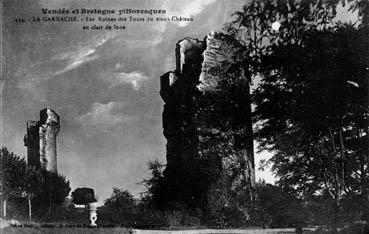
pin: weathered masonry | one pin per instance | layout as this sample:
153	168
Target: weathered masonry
207	122
40	140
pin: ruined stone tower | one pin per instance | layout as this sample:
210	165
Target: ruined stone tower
40	140
207	123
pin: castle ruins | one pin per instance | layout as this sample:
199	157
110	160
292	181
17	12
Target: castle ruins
207	121
40	140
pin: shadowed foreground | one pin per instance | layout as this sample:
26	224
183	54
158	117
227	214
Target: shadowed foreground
216	231
10	230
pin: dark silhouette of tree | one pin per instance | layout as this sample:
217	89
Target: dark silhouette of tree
55	189
119	208
42	189
252	25
277	208
13	173
311	107
83	196
33	187
154	196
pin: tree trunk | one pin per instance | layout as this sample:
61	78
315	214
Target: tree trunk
336	221
250	149
4	206
29	208
50	207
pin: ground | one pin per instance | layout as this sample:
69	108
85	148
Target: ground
20	230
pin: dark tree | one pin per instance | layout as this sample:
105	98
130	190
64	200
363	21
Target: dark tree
252	25
33	187
43	190
13	173
83	196
55	189
154	196
313	108
119	208
253	28
277	208
312	101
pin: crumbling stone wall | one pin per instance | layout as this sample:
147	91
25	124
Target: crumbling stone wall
32	142
40	140
207	123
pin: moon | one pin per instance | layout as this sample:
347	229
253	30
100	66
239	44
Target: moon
276	25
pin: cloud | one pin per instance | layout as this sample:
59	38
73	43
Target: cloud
353	83
110	113
134	78
79	56
29	83
155	39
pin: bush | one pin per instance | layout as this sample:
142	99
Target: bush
276	208
150	219
181	218
359	228
46	189
83	196
119	208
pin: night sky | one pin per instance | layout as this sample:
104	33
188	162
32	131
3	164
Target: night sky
103	84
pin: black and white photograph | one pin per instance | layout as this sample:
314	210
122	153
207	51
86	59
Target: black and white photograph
184	116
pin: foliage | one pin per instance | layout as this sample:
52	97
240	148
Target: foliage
181	218
228	203
14	172
55	188
120	208
83	196
150	219
153	197
45	189
311	106
253	25
253	28
276	208
123	209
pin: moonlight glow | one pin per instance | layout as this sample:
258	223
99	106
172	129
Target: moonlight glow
276	25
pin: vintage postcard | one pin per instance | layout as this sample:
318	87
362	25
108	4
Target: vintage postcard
211	116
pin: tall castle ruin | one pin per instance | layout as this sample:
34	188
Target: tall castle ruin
207	124
40	140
